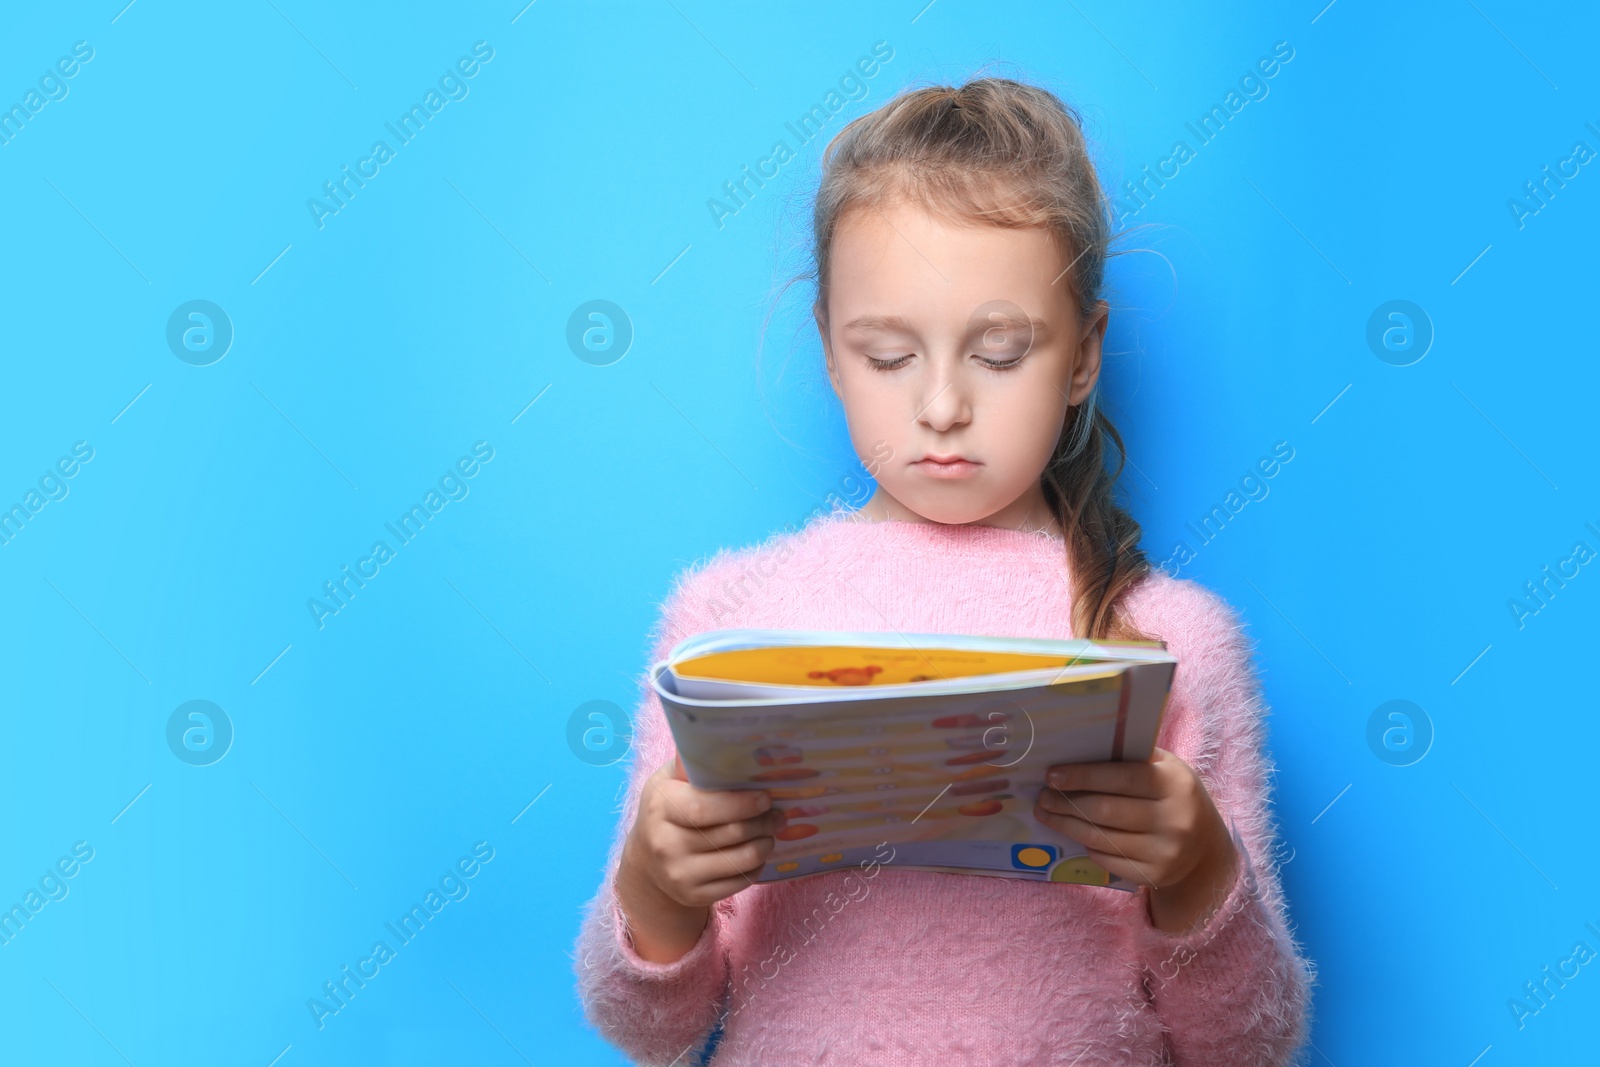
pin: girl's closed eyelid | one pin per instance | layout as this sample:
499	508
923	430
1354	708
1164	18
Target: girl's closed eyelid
892	363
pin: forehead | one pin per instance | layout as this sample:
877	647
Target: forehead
900	259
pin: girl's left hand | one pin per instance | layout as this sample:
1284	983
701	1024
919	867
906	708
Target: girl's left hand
1152	823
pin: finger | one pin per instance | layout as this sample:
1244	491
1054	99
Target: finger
712	892
1133	779
741	861
700	808
677	768
1174	771
1103	809
705	839
1130	846
1121	867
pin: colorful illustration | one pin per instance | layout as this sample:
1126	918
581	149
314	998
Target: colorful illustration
1032	857
948	776
806	811
836	665
768	755
1080	870
787	774
848	675
987	785
800	792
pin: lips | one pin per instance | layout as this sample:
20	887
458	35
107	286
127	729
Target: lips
947	466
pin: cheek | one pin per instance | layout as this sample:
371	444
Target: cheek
873	407
1026	421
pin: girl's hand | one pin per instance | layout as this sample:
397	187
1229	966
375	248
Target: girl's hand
687	849
1152	823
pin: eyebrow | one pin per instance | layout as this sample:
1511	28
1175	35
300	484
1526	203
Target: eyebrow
898	324
879	322
1039	325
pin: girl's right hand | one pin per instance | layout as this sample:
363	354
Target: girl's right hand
687	849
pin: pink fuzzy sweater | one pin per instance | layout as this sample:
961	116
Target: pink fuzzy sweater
900	967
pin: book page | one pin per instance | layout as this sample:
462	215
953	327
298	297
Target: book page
949	780
828	666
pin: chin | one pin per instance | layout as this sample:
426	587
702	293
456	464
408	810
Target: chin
951	510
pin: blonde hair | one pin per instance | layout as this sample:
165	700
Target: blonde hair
1001	152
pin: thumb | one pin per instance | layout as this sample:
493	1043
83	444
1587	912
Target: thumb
677	768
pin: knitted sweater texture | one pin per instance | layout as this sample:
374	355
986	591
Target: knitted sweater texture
898	967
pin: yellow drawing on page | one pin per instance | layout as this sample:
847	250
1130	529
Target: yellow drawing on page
834	666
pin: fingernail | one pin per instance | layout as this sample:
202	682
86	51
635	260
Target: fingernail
764	803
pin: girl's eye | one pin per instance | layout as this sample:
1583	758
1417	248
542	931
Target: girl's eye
900	361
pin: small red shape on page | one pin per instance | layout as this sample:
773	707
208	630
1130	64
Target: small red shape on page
849	675
771	755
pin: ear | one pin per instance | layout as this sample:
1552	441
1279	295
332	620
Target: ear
1086	361
821	320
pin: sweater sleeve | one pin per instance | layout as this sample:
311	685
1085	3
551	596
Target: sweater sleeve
1236	990
656	1013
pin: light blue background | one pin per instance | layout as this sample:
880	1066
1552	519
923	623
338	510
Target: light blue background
429	312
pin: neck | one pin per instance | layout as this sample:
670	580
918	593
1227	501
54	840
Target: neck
1028	513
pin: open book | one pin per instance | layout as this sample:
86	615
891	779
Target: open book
935	745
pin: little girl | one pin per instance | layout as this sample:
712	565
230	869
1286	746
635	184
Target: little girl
960	242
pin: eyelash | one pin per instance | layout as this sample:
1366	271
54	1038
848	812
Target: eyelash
899	361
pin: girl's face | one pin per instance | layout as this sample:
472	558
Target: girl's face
956	349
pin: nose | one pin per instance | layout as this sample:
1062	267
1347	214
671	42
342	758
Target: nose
945	403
